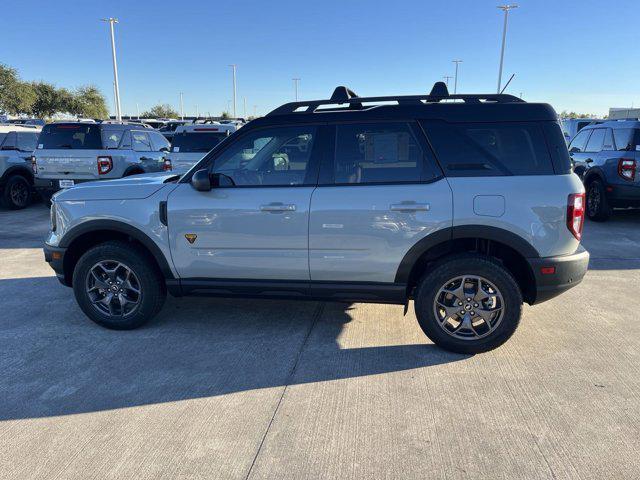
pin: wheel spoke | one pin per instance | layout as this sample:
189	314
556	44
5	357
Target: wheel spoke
451	311
113	288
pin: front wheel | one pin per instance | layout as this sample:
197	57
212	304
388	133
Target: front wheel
117	286
17	192
468	304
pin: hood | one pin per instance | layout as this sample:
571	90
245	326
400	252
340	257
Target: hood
129	188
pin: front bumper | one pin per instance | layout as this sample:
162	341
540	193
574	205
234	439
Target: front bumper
568	271
54	256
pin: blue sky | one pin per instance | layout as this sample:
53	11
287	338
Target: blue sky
576	55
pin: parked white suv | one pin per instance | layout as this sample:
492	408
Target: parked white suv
469	208
192	142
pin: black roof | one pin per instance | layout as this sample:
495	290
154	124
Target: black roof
345	105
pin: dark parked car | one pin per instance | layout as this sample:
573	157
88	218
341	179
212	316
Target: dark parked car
606	157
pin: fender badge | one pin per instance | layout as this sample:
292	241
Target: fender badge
191	237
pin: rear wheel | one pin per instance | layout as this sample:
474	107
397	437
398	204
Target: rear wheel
117	286
468	304
598	208
17	192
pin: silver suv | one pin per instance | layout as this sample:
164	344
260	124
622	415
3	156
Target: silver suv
465	204
17	143
75	152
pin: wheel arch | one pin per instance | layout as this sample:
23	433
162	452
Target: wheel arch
89	234
509	248
17	170
593	174
133	170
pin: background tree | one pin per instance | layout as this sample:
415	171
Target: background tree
225	115
89	102
161	111
16	96
49	100
565	114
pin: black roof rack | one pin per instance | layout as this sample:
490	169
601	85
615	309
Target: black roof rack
343	95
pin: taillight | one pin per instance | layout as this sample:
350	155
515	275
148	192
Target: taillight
34	164
105	164
575	214
166	165
627	168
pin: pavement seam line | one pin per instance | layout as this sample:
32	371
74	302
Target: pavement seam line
316	316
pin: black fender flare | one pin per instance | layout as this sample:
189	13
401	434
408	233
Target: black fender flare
21	170
133	170
124	228
485	232
592	173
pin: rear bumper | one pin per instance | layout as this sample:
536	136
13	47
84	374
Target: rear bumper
51	186
568	271
623	195
54	256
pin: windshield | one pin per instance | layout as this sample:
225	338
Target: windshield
196	142
70	136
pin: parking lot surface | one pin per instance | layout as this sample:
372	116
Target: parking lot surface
236	389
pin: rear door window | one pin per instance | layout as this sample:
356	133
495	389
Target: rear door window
70	136
377	153
202	142
140	141
579	142
490	149
608	140
159	141
596	140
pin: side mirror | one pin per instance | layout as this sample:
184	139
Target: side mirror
201	181
165	149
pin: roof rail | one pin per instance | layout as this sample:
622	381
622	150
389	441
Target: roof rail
344	96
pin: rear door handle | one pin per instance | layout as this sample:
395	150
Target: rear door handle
278	207
409	207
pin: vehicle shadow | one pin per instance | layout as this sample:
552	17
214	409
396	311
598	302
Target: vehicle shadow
54	361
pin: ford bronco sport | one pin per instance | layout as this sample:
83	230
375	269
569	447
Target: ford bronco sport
464	203
73	152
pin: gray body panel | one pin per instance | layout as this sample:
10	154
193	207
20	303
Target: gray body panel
241	232
534	208
11	159
361	234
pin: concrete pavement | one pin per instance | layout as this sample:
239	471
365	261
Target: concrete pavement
218	388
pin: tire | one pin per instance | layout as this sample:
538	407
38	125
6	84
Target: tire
468	339
132	172
144	276
598	208
17	192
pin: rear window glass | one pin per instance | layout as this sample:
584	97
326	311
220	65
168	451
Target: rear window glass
196	142
70	136
626	138
490	149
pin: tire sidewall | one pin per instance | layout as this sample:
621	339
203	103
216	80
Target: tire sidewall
603	211
8	201
152	294
468	265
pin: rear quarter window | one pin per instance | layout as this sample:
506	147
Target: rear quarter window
490	149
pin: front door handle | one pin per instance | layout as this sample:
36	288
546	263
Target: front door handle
409	207
278	207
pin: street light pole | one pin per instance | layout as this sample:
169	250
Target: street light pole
116	87
455	82
505	9
244	102
296	82
181	107
446	79
233	66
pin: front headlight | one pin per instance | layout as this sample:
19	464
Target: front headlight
53	216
